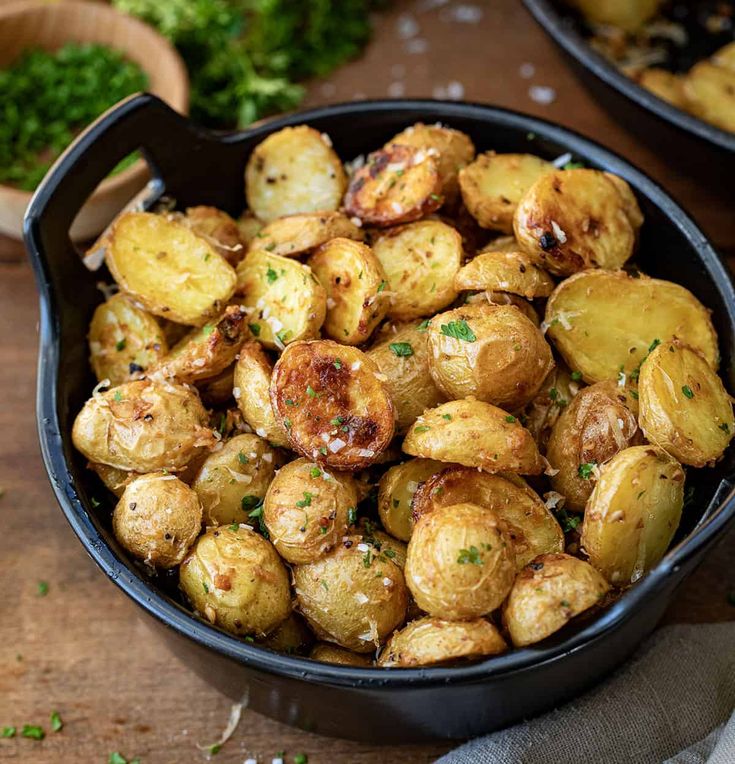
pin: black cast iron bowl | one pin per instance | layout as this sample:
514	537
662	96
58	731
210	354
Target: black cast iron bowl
195	166
697	147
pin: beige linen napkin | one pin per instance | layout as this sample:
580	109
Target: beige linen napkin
673	702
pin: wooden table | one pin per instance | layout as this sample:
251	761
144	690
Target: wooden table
81	649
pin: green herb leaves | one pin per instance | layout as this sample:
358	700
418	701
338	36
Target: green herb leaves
469	556
459	330
401	349
585	470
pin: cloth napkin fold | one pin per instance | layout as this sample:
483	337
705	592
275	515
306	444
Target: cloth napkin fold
672	703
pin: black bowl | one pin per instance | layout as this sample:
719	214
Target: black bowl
198	167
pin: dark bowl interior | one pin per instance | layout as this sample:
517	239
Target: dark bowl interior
197	167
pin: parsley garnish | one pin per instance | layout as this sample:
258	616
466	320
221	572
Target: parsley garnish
576	375
352	515
510	419
382	286
424	325
249	501
42	588
435	197
337	420
573	166
117	396
688	391
306	501
337	364
401	349
585	470
205	586
287	423
448	417
300	758
120	344
242	458
33	731
208	329
255	329
234	527
421	428
469	556
568	522
310	391
284	335
271	275
7	732
460	330
367	558
56	722
315	472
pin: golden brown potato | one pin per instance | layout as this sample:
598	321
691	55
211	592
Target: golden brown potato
326	653
475	434
252	381
294	235
725	57
506	298
286	300
123	340
569	220
332	404
544	410
294	170
528	523
398	184
167	268
353	596
489	352
633	513
420	261
582	310
235	579
291	636
505	272
232	481
401	354
596	425
629	15
547	594
382	543
710	93
307	510
114	479
494	183
217	391
218	229
429	641
461	562
684	407
143	426
355	284
248	227
630	203
664	84
157	519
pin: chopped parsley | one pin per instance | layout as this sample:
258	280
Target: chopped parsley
585	470
337	420
688	392
118	758
382	286
56	721
42	588
234	527
337	364
207	330
435	197
576	375
573	166
424	325
421	428
205	586
323	450
460	330
310	391
510	419
367	558
300	758
306	501
291	402
287	423
469	556
448	417
215	748
401	349
117	396
255	329
33	731
242	458
120	344
249	502
271	275
724	427
568	522
8	732
284	335
315	472
352	515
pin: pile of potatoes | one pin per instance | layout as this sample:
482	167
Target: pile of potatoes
407	411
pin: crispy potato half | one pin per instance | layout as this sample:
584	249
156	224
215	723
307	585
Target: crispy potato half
710	94
569	220
123	340
529	524
217	228
474	434
494	183
332	403
355	284
397	184
294	170
326	653
168	269
287	301
248	227
684	407
547	594
542	413
626	14
511	271
664	84
420	261
633	513
604	323
114	479
430	641
291	636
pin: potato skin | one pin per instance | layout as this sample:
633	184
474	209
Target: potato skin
157	519
505	364
429	641
460	562
114	479
542	413
710	93
217	228
143	426
628	14
512	272
291	636
235	579
547	594
352	596
597	424
326	653
332	404
664	84
475	434
684	407
633	513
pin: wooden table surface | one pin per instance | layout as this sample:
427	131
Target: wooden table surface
81	649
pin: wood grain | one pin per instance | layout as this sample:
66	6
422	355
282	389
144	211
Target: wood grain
81	649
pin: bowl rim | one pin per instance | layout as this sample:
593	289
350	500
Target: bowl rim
556	26
187	624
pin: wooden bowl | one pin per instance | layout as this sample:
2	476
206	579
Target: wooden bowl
49	26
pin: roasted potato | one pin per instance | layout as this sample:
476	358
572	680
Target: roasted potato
510	271
604	323
294	170
725	57
429	641
307	510
684	407
248	227
123	340
569	220
332	403
505	298
217	228
398	184
461	562
295	235
598	423
114	479
489	352
629	15
633	513
286	300
326	653
353	596
232	482
528	523
664	84
402	356
494	183
420	261
143	426
235	579
382	542
547	594
217	391
168	269
475	434
157	519
355	284
710	93
291	636
542	413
